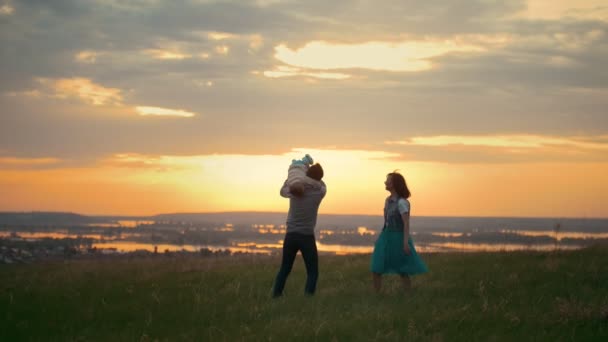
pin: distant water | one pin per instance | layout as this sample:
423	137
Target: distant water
337	234
463	224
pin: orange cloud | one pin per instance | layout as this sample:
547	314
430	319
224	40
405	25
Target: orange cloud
506	141
83	89
86	56
158	111
166	54
142	184
24	162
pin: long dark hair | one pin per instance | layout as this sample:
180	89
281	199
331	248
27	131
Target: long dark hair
399	184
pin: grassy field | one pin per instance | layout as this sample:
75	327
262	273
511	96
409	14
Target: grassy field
519	296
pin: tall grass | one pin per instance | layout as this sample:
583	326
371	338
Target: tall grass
470	297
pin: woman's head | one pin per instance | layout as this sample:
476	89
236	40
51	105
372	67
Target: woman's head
395	182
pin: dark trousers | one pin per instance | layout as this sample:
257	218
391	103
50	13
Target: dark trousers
291	245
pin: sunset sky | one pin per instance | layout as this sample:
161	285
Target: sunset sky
487	107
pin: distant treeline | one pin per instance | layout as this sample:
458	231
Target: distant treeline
325	221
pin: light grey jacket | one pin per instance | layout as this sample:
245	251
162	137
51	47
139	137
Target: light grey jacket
302	216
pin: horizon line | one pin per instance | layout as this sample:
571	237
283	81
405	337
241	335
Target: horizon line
281	212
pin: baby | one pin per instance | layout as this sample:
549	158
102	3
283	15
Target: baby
296	175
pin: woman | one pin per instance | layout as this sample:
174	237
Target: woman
394	251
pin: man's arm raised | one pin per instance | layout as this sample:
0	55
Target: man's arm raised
285	190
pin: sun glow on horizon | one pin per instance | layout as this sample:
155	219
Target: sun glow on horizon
13	161
135	184
488	108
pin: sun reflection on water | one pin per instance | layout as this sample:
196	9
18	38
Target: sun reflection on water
127	246
122	224
365	231
486	247
258	239
559	235
449	234
66	235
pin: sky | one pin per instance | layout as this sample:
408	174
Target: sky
140	107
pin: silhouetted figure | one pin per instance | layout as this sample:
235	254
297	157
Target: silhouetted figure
394	251
300	232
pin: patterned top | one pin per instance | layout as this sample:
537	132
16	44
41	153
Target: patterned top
394	207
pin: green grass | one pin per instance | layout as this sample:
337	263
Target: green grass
469	297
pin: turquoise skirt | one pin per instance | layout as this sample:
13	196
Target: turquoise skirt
389	257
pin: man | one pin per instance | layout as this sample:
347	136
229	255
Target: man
300	234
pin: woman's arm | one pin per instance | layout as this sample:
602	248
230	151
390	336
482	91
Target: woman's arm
406	232
406	225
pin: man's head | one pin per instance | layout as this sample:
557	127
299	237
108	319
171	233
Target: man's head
315	172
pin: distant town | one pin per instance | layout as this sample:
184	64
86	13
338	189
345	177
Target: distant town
35	236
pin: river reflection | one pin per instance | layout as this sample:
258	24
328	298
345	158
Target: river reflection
66	235
486	247
558	235
122	224
343	250
267	239
126	246
260	245
261	248
449	234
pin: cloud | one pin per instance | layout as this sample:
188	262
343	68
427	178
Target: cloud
504	148
516	75
166	54
19	162
220	35
557	9
286	71
86	56
222	49
6	9
197	163
256	42
250	31
26	93
81	88
508	141
158	111
390	56
160	163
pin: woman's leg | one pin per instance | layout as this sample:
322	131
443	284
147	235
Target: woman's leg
377	281
406	282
